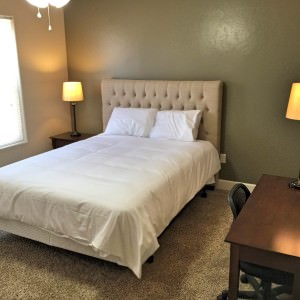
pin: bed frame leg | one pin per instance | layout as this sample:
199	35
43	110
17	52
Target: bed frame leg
203	193
208	187
150	260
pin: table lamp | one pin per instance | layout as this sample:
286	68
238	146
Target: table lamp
293	112
72	92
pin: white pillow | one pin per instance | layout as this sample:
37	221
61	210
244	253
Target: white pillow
177	125
131	121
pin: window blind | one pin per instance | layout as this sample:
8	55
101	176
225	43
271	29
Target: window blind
12	125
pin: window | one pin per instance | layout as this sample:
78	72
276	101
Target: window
12	125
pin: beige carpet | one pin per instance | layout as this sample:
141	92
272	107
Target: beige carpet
191	263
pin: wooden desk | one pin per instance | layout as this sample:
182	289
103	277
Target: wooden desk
267	231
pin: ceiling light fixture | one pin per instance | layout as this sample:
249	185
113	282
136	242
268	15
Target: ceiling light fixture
46	4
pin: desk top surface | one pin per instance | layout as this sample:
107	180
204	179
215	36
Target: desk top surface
270	220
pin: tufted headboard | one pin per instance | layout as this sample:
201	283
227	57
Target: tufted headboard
167	95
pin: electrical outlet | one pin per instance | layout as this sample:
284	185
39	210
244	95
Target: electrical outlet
223	158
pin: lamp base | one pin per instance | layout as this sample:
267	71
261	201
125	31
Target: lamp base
75	133
295	184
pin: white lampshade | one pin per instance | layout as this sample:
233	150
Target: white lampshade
72	91
293	109
38	3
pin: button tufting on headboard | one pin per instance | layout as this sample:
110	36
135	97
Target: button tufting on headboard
203	95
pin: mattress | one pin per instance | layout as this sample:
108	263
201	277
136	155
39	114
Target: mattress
114	194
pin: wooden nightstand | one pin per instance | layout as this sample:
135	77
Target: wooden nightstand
64	139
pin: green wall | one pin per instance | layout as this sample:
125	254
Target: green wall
253	46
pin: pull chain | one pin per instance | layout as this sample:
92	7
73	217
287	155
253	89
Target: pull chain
39	15
49	19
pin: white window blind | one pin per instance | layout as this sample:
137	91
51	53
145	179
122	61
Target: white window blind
12	126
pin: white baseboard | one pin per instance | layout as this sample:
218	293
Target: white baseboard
227	185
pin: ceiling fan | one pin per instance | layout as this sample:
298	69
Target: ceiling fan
46	4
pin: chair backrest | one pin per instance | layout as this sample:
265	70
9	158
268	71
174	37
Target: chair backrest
237	198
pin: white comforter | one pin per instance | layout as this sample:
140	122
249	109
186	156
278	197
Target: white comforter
115	194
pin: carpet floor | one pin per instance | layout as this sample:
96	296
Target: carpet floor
191	263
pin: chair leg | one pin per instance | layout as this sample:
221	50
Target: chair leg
241	295
253	282
267	293
223	295
282	289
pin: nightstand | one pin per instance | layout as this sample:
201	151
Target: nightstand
64	139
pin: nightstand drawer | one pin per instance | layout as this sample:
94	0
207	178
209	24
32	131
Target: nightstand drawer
60	143
66	139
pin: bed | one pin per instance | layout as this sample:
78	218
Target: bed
111	196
